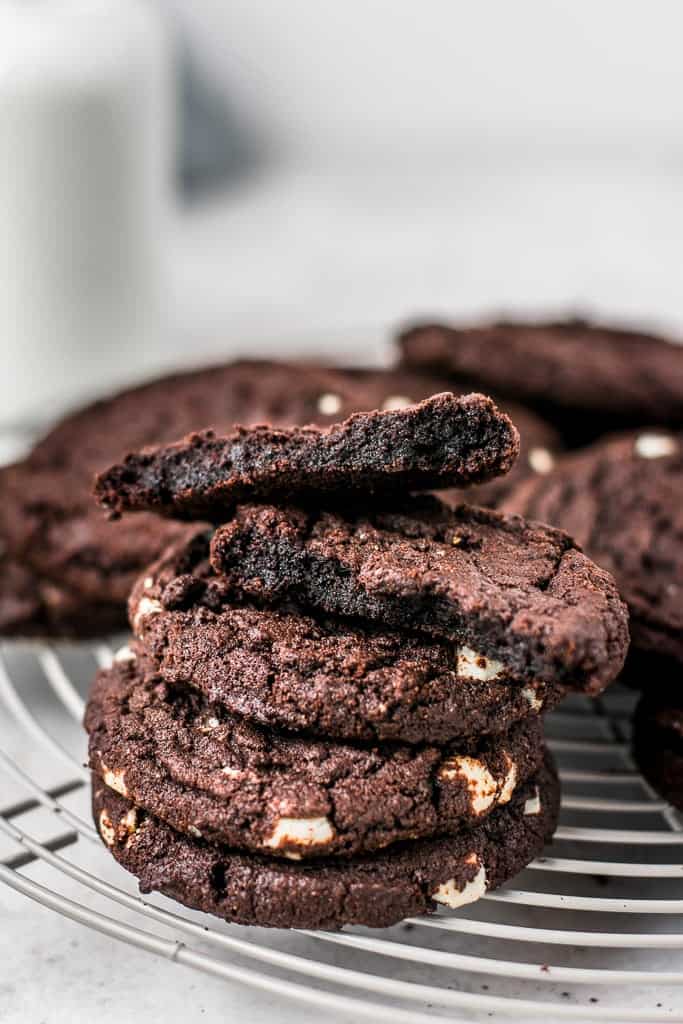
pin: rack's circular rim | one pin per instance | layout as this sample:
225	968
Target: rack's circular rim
378	992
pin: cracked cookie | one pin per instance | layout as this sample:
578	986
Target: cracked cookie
622	499
521	595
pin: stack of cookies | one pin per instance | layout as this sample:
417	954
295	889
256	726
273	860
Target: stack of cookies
331	711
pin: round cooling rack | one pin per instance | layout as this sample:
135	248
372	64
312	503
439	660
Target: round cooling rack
591	931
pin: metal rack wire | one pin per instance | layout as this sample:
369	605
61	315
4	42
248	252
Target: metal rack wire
591	931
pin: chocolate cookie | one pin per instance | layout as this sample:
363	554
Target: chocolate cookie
376	890
623	501
658	743
208	773
48	523
21	607
72	569
32	606
282	668
52	529
520	595
442	442
584	378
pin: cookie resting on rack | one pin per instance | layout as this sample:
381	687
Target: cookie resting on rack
376	890
208	773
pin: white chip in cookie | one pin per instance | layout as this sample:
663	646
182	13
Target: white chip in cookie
533	804
146	606
472	665
393	402
114	779
129	820
451	896
481	784
540	460
124	654
300	832
106	827
655	446
510	781
329	404
535	702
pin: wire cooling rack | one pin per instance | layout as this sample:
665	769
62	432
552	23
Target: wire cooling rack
591	931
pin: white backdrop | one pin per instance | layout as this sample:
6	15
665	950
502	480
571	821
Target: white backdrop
419	80
442	157
413	158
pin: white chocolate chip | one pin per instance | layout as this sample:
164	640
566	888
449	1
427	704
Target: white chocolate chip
481	784
655	446
329	404
301	832
107	830
510	781
130	820
532	697
533	804
540	460
114	779
393	402
232	773
194	831
449	894
207	724
472	665
292	856
124	654
146	606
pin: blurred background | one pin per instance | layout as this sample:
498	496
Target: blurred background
183	182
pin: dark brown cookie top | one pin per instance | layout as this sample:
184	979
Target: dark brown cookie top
376	890
442	442
283	668
208	773
623	501
519	594
618	378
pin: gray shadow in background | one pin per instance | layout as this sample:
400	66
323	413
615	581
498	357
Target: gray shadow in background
217	148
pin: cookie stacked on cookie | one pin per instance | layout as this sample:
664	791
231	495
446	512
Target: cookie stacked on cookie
67	571
331	711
